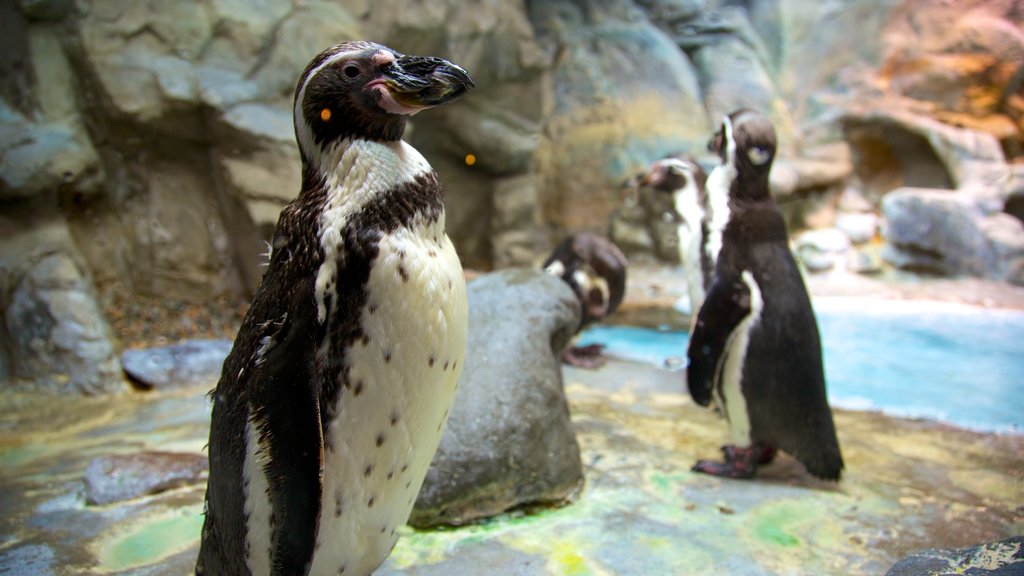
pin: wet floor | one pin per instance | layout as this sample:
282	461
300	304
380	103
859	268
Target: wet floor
908	485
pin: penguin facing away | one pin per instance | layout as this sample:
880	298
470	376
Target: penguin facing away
595	270
684	180
755	349
332	401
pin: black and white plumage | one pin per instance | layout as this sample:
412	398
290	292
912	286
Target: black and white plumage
684	179
595	269
755	348
332	401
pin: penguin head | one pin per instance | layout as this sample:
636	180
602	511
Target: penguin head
595	270
367	91
746	141
674	173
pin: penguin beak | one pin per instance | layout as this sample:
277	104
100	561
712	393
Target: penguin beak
413	83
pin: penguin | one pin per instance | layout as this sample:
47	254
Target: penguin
684	179
595	269
332	400
755	349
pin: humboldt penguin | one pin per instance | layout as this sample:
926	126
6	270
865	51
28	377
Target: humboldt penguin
684	179
755	349
332	401
595	270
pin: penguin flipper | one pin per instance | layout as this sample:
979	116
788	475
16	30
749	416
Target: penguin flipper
725	306
292	432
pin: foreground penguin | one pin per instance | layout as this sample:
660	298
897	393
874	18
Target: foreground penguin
684	179
755	348
332	401
595	269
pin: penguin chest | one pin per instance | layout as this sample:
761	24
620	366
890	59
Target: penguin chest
729	384
401	379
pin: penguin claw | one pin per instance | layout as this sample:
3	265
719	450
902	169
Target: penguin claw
740	463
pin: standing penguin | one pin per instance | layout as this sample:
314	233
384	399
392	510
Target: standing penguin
332	401
684	179
595	270
755	348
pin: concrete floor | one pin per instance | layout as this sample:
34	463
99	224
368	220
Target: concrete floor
908	485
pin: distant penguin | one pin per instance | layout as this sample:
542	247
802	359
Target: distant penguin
684	179
755	348
595	269
332	401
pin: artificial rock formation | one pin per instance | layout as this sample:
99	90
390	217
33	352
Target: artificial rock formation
159	134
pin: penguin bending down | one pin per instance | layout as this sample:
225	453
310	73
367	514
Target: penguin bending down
755	348
595	270
684	179
332	401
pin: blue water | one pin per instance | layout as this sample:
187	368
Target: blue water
944	362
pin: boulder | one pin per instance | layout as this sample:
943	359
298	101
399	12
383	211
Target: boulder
823	250
509	440
186	364
1002	558
119	477
859	227
948	233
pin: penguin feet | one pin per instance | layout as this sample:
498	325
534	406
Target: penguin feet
588	357
740	463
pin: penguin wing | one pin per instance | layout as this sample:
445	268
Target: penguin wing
290	430
725	306
610	264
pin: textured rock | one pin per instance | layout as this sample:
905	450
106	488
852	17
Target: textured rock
116	478
859	227
624	95
1003	558
189	363
509	440
822	250
947	233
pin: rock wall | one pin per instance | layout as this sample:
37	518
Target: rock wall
157	136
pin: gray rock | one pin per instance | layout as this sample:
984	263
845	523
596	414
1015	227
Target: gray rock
116	478
935	231
947	233
822	250
1005	236
1003	558
39	156
185	364
58	337
859	227
509	440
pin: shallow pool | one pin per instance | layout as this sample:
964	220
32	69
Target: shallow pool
958	364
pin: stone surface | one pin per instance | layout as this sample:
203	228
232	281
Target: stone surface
185	364
947	233
509	440
822	250
120	477
1002	558
859	227
54	336
161	132
910	485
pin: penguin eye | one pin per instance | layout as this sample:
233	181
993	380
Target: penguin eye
350	71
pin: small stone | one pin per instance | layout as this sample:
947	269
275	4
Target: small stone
122	477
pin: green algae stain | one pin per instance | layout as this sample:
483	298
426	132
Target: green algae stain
152	540
774	525
569	561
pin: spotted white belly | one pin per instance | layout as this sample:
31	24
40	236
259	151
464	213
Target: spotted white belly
389	422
